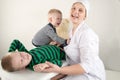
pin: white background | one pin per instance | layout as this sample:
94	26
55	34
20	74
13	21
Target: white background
21	19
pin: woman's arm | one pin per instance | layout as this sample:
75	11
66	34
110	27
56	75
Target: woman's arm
72	70
68	70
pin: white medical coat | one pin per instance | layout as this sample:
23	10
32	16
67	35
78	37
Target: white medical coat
83	49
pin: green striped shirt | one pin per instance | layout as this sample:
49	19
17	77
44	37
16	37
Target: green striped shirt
40	54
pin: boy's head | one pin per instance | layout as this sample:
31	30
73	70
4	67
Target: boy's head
15	61
55	17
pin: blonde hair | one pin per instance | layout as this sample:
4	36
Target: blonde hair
6	63
53	11
63	29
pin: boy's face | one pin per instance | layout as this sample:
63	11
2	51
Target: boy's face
56	19
78	13
20	60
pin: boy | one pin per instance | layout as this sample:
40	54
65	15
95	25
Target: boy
48	33
28	59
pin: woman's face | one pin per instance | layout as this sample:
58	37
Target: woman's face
78	13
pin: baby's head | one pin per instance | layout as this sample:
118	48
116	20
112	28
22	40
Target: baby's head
55	17
15	61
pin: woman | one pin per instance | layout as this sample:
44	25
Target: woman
83	49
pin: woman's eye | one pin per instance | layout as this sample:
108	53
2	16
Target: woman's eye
80	10
73	8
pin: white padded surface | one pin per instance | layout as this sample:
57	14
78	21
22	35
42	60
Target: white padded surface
25	75
31	75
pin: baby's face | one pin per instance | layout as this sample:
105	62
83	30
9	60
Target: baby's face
20	60
56	19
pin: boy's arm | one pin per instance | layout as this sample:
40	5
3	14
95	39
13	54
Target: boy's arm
59	76
17	45
53	43
55	37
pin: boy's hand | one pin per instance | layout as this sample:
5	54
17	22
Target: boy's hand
53	43
40	67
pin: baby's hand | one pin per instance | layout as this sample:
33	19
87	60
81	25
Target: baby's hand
40	67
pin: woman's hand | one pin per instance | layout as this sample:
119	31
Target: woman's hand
40	67
52	68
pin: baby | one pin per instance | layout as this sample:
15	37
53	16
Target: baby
20	58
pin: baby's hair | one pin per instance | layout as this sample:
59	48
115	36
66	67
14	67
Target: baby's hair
52	11
6	63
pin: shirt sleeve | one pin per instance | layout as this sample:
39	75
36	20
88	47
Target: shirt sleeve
89	50
55	37
17	45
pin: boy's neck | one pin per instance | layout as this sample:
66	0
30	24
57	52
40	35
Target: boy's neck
52	26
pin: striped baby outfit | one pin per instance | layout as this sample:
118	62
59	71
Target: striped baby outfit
40	54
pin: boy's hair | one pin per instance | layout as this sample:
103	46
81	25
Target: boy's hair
6	63
52	11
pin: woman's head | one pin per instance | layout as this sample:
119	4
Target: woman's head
86	4
79	11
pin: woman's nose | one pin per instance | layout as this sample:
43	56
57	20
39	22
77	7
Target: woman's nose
76	11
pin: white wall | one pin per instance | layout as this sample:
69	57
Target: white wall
104	19
21	19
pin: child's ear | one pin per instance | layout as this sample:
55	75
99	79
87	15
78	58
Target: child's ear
50	19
